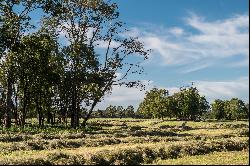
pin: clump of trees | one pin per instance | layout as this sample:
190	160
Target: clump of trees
44	78
187	104
233	109
115	112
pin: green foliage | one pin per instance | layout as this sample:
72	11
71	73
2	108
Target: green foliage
218	109
234	109
186	104
154	104
40	76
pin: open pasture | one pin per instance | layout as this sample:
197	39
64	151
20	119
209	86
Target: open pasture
129	141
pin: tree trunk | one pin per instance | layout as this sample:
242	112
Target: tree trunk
7	114
39	112
74	114
26	98
84	123
15	110
49	118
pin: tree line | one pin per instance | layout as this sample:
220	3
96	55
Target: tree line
115	112
64	65
188	104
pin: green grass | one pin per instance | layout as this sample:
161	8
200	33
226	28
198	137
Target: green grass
215	158
125	141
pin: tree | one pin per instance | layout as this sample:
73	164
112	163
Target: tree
218	111
120	112
247	107
229	109
111	111
36	74
41	77
13	25
204	107
129	112
238	109
87	25
187	104
154	104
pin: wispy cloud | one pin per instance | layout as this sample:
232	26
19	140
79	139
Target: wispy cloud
209	43
125	96
176	31
225	89
210	89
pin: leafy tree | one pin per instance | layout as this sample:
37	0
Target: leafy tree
154	104
186	104
13	25
238	109
218	111
87	25
111	111
204	107
247	107
120	112
129	112
37	74
229	109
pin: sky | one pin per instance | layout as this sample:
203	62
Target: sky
201	41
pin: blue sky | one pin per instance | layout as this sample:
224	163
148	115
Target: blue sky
200	41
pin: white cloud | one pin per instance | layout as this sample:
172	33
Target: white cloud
224	89
63	31
176	31
125	96
213	43
221	89
210	89
105	44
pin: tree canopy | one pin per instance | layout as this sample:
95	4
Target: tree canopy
42	76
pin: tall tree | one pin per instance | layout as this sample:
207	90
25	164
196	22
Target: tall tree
154	104
238	109
218	111
129	112
13	25
36	73
89	25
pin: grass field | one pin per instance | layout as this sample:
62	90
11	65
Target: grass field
129	141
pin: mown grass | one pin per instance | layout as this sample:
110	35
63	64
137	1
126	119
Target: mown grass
122	142
215	158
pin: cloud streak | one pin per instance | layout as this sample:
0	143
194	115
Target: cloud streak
210	89
209	43
224	89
